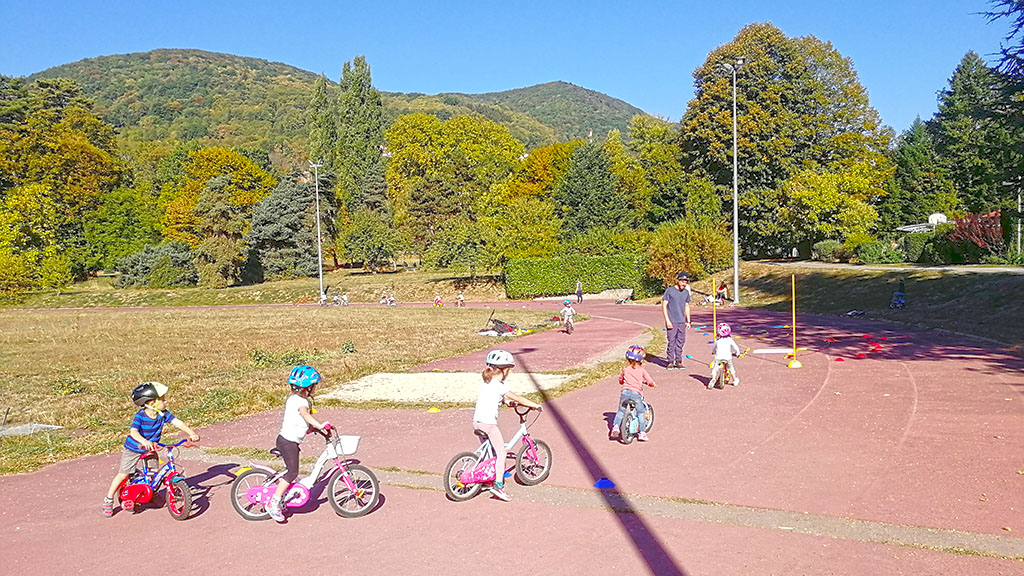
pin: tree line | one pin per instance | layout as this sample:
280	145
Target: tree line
815	164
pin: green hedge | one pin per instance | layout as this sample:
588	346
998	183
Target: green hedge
878	252
826	250
532	277
913	245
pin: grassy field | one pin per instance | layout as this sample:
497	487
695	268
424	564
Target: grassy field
76	369
987	305
407	286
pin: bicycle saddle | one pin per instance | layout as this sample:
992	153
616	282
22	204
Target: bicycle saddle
629	403
481	434
275	452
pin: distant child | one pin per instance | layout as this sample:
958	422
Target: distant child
437	300
145	431
460	300
724	348
493	393
567	313
344	299
722	293
632	380
298	421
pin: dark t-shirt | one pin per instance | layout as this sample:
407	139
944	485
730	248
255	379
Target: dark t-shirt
677	300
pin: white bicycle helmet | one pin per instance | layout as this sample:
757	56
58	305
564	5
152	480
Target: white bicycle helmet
500	359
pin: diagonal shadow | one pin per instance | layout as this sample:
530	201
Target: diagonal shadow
644	540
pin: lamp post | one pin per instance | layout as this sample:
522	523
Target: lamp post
733	68
319	247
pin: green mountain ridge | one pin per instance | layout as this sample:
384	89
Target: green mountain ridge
184	94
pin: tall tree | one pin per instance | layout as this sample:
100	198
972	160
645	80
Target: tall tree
284	230
360	139
586	197
656	145
630	181
920	186
321	118
965	136
800	106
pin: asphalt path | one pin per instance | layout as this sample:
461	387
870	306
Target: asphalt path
905	457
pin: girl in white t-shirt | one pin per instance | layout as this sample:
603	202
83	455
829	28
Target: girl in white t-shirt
298	420
494	392
724	348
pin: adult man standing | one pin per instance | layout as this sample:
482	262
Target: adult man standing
675	306
579	291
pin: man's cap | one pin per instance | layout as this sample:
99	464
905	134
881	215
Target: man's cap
683	276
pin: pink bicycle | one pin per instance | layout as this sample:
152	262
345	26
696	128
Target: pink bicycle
352	489
468	472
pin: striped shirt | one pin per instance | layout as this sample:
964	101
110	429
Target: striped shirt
149	428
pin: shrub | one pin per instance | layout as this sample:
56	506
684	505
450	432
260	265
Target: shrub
683	246
851	244
913	245
167	265
878	252
530	277
826	250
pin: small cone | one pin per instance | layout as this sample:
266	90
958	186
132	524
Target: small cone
795	364
434	410
839	360
604	484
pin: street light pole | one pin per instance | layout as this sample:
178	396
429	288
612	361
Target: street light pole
735	190
319	247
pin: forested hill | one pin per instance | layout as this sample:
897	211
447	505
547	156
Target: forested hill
241	101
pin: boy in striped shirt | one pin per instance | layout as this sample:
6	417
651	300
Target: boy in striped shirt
145	431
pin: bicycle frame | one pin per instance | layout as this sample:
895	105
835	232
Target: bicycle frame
140	486
487	468
298	491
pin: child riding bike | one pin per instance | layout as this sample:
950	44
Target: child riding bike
724	347
298	420
494	392
632	380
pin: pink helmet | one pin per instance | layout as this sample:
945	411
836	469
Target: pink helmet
724	330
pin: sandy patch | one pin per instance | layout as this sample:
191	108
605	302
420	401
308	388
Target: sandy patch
435	386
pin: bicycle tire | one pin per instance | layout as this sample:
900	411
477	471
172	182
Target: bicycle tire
179	499
526	471
626	435
650	416
239	494
367	491
459	463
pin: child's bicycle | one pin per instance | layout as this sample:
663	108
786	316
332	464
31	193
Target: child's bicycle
898	301
140	486
724	375
468	472
630	425
353	489
570	325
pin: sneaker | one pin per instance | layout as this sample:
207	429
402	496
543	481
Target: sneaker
735	381
498	490
614	432
642	437
108	507
274	509
678	366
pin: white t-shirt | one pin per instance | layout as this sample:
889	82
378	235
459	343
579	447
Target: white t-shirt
567	312
293	427
724	348
488	401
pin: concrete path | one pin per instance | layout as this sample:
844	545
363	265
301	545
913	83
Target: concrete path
906	460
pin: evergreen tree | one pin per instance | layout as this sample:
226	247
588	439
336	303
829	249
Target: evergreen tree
965	137
360	139
586	197
222	227
284	230
920	186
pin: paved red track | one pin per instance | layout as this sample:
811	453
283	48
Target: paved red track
926	430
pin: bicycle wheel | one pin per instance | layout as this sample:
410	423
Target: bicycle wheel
179	499
626	433
252	478
570	326
650	417
533	471
353	504
452	487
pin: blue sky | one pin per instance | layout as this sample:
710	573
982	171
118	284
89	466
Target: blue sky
642	52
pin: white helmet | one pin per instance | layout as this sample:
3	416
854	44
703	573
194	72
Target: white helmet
500	359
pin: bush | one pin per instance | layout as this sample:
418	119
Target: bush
530	277
683	246
167	265
826	250
913	245
878	252
851	244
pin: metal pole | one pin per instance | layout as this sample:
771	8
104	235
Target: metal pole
1018	221
319	247
735	202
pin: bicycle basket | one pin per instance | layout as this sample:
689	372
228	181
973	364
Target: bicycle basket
348	444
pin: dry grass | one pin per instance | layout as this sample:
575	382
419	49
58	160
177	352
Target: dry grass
360	286
76	368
